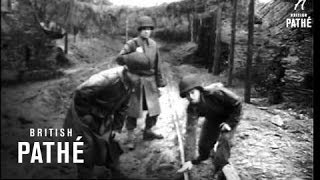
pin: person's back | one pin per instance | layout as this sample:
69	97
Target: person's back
97	109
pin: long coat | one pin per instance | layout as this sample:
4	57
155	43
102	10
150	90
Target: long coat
98	105
149	75
218	105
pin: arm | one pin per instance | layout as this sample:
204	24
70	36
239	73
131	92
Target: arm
205	143
160	80
129	47
204	149
120	116
232	102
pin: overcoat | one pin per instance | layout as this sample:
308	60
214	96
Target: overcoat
98	105
149	75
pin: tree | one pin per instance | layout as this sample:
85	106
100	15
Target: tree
217	44
6	6
233	36
247	91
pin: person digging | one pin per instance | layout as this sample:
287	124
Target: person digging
221	109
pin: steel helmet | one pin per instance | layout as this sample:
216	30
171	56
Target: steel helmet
188	83
145	21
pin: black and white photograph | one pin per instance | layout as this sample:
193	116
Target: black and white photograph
157	89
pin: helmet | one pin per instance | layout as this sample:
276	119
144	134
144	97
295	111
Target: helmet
145	21
187	83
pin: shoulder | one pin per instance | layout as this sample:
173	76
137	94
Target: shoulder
133	42
217	89
103	78
214	88
152	42
112	73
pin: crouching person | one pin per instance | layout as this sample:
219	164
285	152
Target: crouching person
97	109
221	109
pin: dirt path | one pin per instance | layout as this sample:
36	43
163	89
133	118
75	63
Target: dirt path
270	143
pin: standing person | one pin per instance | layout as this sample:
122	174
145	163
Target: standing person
221	109
97	109
141	55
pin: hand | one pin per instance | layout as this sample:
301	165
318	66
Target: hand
120	60
115	135
225	127
161	91
139	49
186	166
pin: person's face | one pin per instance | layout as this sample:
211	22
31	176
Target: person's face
193	96
145	32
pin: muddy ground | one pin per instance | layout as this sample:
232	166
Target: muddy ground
272	142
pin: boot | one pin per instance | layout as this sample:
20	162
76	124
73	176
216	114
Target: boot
130	141
149	135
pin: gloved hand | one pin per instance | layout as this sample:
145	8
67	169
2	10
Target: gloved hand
225	127
186	166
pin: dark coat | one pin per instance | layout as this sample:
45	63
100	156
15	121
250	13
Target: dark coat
98	105
148	72
218	105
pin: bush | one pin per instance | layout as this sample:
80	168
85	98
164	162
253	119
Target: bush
172	35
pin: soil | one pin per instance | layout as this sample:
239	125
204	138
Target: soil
271	142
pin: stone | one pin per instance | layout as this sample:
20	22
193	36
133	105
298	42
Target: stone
277	120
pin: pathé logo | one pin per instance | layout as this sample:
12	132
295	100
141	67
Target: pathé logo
299	20
302	4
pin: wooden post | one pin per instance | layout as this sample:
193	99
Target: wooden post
181	147
247	91
191	138
191	28
66	43
233	36
217	45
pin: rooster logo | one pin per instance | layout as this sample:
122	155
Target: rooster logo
300	2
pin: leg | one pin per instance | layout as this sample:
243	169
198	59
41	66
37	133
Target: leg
222	153
119	119
208	137
84	172
148	134
151	121
131	124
